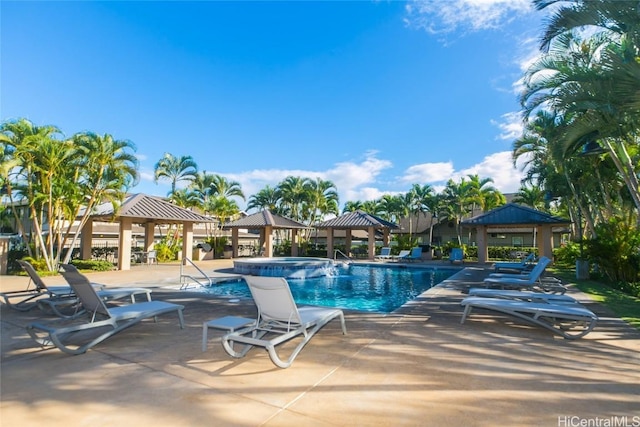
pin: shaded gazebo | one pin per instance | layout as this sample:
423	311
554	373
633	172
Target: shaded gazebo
357	220
266	222
513	215
147	211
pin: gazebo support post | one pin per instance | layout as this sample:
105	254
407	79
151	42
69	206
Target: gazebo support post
187	240
149	236
347	242
545	241
268	241
294	242
371	250
234	242
330	243
124	244
483	248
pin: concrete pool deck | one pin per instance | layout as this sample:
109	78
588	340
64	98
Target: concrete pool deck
417	366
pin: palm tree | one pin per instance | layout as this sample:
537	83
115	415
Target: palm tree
391	208
40	161
267	198
420	201
531	196
593	82
458	199
20	139
224	209
186	198
223	187
107	168
175	169
294	192
352	206
201	185
372	207
486	196
323	199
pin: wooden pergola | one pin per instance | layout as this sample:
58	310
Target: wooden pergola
147	211
266	222
515	216
357	220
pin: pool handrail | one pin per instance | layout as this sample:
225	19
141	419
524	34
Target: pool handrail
185	285
338	251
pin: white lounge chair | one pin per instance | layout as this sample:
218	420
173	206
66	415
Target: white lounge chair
31	296
522	295
531	280
279	320
525	264
73	276
65	333
523	274
403	255
571	321
385	253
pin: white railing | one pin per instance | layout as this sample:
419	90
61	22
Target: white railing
184	284
338	251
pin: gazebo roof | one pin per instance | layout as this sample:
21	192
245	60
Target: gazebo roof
144	208
263	219
514	214
356	219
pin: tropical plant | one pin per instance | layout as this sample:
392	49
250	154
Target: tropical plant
616	250
267	198
352	206
63	180
175	169
323	199
532	196
293	195
592	80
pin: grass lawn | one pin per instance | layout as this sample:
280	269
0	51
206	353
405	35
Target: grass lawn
625	306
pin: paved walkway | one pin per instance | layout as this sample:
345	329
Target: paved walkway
416	367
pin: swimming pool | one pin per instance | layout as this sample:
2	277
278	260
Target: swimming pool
357	287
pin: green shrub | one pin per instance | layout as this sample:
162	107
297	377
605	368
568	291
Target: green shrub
283	249
405	242
38	264
615	250
164	252
94	265
217	244
506	252
567	255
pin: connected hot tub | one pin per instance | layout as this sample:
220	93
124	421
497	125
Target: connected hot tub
288	267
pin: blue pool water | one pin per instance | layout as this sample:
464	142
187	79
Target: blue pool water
366	288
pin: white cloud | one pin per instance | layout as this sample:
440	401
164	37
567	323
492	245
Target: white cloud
352	179
146	175
499	167
426	173
445	16
511	126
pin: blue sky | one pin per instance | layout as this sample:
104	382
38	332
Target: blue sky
372	95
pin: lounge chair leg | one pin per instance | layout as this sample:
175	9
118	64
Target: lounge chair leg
466	312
